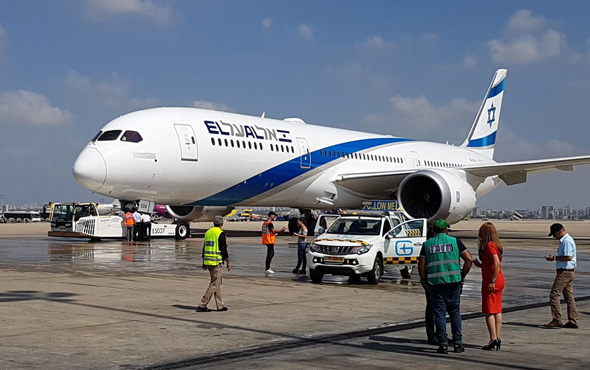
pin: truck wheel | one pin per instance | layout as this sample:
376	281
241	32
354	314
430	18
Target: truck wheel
316	277
375	274
182	231
407	272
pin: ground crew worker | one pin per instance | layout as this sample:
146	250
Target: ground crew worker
269	236
214	254
441	273
129	223
137	234
147	226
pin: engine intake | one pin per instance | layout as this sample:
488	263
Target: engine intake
435	194
197	213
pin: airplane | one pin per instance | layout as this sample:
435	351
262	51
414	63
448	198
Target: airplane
202	163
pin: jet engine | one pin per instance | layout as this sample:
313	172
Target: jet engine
435	194
197	213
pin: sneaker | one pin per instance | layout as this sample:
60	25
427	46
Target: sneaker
295	271
223	309
302	272
459	348
442	349
554	324
203	309
269	271
570	325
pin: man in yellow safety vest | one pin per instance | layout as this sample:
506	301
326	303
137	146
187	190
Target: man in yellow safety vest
214	254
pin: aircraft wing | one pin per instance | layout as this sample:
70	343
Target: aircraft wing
516	172
510	172
381	183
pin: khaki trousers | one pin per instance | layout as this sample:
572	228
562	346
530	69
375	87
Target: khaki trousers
214	288
564	283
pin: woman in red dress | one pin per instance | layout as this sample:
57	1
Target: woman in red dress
490	251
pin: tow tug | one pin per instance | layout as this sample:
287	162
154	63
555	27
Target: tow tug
103	221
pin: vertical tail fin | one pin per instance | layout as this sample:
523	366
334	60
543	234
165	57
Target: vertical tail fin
482	136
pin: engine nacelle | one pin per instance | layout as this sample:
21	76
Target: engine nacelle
197	213
435	194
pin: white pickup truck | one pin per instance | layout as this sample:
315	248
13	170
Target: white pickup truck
360	244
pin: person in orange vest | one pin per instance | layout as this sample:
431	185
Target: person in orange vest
130	224
269	238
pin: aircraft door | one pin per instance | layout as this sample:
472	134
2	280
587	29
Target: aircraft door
305	159
416	158
187	141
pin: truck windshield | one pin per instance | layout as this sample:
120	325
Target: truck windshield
62	212
356	226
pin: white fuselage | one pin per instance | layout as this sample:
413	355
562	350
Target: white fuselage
244	160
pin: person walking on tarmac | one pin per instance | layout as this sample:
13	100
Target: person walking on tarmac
269	235
441	273
214	254
301	246
129	223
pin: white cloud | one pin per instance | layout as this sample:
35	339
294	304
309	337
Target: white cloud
423	115
512	147
306	32
377	42
3	33
159	13
267	22
210	105
524	20
419	118
29	108
528	40
470	61
109	93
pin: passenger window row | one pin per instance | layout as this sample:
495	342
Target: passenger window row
441	164
361	156
251	145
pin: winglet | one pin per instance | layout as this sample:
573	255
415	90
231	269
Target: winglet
482	136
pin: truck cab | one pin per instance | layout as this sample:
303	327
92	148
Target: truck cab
359	244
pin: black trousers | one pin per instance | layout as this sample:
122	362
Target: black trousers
270	253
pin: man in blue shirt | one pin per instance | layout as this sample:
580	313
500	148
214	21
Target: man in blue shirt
565	263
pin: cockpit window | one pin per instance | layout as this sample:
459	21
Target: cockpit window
131	136
109	135
96	136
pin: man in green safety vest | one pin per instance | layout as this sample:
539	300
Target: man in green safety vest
214	254
440	272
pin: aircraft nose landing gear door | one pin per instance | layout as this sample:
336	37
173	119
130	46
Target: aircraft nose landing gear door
305	161
187	141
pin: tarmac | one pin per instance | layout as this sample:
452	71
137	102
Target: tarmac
73	304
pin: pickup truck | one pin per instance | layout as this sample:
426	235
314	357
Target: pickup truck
360	244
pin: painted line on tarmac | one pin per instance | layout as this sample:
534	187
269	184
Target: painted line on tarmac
301	342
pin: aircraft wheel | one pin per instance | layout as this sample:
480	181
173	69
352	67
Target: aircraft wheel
182	231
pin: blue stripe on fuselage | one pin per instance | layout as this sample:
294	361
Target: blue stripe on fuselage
496	89
483	142
287	171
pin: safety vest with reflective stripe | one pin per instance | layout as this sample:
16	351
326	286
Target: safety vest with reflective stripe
268	237
212	254
129	219
442	260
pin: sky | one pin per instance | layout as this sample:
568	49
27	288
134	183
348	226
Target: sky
414	69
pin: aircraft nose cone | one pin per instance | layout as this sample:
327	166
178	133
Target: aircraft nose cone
90	169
